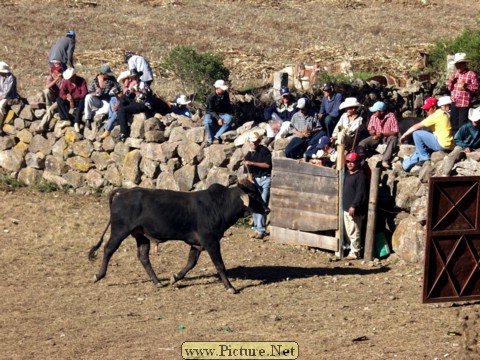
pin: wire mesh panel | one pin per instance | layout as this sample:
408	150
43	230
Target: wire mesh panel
452	247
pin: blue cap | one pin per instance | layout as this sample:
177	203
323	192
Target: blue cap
70	33
324	140
284	91
378	106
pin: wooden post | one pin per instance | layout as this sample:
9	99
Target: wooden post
372	215
340	166
279	79
340	156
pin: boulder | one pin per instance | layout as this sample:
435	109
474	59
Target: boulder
94	179
190	152
131	169
101	159
40	144
35	160
153	151
29	176
83	148
11	160
221	176
185	177
196	135
80	164
408	240
219	155
74	179
406	192
167	181
6	142
137	129
113	175
149	168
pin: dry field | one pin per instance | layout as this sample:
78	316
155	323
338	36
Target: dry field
50	307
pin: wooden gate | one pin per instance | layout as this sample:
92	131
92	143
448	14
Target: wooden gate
304	200
452	248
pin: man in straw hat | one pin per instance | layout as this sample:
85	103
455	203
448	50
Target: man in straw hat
349	129
467	139
258	165
8	90
462	85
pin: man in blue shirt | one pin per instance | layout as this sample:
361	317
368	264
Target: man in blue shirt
329	109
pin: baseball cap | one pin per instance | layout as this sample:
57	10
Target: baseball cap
221	84
284	91
105	69
324	140
353	156
378	106
429	102
302	103
70	33
327	86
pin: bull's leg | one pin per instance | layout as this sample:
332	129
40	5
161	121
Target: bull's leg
193	256
111	246
213	250
143	250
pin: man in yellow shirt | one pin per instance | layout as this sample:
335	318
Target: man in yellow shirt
440	139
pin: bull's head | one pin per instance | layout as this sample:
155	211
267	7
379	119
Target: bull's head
252	198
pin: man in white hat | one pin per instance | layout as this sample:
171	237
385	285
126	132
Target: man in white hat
219	113
467	139
349	129
462	85
180	106
72	97
258	165
8	90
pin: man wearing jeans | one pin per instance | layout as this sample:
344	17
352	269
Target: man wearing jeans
219	112
258	164
440	139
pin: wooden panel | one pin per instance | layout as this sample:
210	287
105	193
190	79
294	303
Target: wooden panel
296	219
305	183
321	203
293	237
292	166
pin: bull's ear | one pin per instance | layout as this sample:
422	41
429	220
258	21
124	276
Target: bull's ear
245	199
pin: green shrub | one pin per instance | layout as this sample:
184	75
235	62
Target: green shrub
12	183
196	71
468	42
46	186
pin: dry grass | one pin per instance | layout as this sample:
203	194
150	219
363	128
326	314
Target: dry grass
256	37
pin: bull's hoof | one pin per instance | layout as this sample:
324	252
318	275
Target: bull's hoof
157	284
173	279
232	290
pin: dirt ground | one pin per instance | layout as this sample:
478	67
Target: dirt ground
52	309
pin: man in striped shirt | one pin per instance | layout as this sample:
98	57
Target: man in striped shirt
383	129
463	85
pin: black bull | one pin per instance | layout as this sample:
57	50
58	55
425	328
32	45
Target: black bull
198	218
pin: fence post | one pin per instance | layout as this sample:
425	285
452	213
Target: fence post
340	166
372	215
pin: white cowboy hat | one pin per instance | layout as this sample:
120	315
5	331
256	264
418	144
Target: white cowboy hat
444	100
4	68
182	100
460	58
253	137
474	114
67	74
123	75
349	102
221	84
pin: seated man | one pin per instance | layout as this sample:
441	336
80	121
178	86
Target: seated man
50	93
279	114
440	139
326	154
8	90
180	106
219	112
330	107
467	139
97	101
383	129
306	128
72	97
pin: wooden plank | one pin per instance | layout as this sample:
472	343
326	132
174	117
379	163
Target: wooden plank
305	183
293	237
320	203
303	220
293	166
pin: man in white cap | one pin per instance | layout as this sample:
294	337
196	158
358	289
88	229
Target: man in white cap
349	129
279	114
463	85
62	51
258	165
72	97
8	90
219	113
467	139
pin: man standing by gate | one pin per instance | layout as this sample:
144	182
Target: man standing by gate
258	164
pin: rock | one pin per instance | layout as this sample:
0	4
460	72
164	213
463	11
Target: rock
113	175
26	113
219	155
156	136
408	240
185	177
167	181
245	127
221	176
149	168
11	160
101	159
190	152
406	190
6	142
35	160
74	179
153	151
80	164
25	136
169	149
147	183
203	168
60	149
177	134
137	129
19	124
243	136
152	124
71	136
94	179
83	148
405	151
196	135
56	179
131	169
236	160
229	136
419	209
29	176
134	143
21	148
108	144
40	144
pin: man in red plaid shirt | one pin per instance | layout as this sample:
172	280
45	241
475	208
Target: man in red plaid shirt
462	85
383	129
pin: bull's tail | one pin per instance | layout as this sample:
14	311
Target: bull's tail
92	254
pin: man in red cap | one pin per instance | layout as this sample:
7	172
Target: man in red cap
440	139
355	203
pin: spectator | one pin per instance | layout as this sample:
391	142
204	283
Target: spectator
62	51
137	99
142	66
383	129
219	112
124	79
8	91
463	85
444	103
355	203
349	128
258	164
330	108
306	128
180	106
278	115
326	154
467	139
72	97
426	142
102	88
51	93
